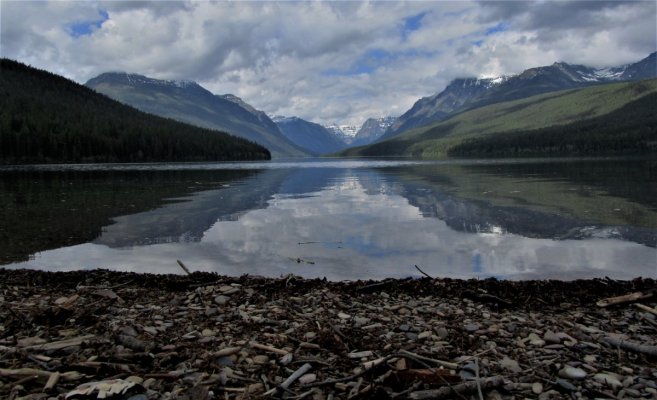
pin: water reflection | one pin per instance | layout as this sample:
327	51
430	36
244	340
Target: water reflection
355	222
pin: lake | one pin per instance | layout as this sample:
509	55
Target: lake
339	219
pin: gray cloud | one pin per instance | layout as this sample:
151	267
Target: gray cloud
324	61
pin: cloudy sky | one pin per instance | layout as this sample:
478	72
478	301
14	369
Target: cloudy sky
324	61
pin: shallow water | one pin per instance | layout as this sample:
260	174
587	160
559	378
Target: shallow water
339	219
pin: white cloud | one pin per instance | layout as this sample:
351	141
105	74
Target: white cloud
324	61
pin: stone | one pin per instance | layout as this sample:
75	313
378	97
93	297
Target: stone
551	337
221	299
307	378
261	359
471	327
565	385
537	388
424	335
442	332
572	373
608	380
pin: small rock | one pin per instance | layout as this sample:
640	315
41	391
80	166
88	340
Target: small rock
424	335
607	380
221	299
535	340
551	337
151	330
442	332
590	359
572	373
471	327
286	359
260	359
509	364
342	315
307	378
537	388
565	385
207	332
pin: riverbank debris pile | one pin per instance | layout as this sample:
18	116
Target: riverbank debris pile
113	335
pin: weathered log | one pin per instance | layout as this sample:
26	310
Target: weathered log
626	298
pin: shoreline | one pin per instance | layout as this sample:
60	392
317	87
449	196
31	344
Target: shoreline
209	336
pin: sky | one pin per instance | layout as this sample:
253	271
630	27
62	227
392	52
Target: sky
329	62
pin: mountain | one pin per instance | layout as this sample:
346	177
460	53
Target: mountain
372	129
188	102
345	133
468	93
614	118
310	136
46	118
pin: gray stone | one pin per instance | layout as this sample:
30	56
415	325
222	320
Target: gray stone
572	373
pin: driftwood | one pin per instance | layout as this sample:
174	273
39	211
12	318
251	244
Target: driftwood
631	346
290	380
26	372
626	298
486	298
184	267
60	344
448	392
423	273
645	308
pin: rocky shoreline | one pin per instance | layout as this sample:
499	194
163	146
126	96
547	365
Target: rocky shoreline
102	334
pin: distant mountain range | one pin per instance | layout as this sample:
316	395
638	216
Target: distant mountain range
607	119
469	93
188	102
312	137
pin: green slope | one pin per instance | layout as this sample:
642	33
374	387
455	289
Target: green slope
562	108
45	118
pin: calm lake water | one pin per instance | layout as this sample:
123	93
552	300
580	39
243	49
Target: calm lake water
339	219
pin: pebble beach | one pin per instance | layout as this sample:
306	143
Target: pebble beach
101	334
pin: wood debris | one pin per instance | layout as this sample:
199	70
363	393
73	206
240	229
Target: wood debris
93	334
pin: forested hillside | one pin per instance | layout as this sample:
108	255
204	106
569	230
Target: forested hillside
45	118
563	113
631	129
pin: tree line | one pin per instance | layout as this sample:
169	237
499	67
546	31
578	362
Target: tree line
631	129
45	118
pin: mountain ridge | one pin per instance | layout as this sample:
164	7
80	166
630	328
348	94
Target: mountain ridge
189	102
463	94
561	108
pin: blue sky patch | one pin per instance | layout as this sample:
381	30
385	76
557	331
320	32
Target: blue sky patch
374	59
501	27
85	28
412	24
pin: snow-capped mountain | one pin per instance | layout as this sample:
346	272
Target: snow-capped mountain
346	133
372	129
467	93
